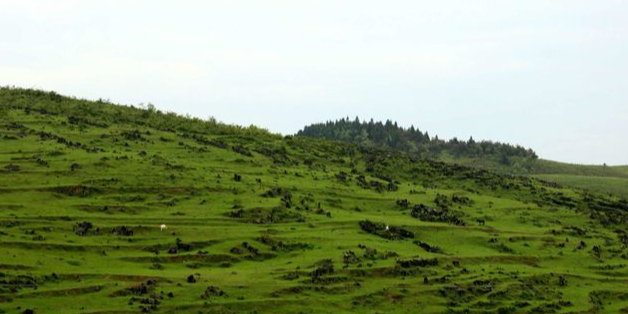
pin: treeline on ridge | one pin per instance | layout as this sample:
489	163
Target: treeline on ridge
412	140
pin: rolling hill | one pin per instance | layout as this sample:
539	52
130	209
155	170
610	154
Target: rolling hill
494	156
262	223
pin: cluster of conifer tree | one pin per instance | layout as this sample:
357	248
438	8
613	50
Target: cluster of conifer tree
389	134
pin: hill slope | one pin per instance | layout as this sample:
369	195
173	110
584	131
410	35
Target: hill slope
494	156
259	223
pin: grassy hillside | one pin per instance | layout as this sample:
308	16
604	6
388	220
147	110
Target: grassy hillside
604	179
523	166
617	186
553	167
259	223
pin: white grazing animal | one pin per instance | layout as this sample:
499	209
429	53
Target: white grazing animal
386	227
163	227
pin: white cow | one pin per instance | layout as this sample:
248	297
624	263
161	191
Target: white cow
163	227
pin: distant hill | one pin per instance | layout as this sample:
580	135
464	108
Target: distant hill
495	156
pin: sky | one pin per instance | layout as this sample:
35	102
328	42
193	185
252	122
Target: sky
549	75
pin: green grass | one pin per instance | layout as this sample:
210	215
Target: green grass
553	167
617	186
603	179
175	171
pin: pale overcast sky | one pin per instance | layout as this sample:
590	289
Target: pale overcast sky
550	75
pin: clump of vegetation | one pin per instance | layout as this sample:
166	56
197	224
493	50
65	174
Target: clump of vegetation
428	248
385	231
417	262
278	245
431	214
267	215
